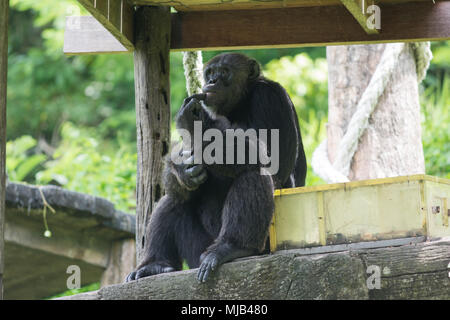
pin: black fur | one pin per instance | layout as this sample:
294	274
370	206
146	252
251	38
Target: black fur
215	213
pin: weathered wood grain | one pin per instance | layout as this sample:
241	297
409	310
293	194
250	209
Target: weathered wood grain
206	5
81	210
152	98
421	272
4	6
306	26
292	27
417	270
92	295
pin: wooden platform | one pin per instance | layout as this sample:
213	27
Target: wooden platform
369	210
412	270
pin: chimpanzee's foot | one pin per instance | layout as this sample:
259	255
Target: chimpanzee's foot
210	259
149	270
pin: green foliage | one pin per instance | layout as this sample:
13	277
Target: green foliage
21	162
84	106
51	15
81	163
40	78
435	129
305	80
441	54
177	82
90	287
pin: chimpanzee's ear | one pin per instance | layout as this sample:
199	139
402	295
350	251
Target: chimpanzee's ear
255	70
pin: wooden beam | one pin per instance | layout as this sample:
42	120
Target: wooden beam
4	8
358	9
152	89
277	28
295	27
61	243
117	16
214	5
85	35
409	271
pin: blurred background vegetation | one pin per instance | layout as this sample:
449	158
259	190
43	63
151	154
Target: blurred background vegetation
71	120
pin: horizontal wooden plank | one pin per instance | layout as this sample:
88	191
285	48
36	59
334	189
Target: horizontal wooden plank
361	183
407	271
293	27
306	26
358	8
60	244
213	5
85	35
117	16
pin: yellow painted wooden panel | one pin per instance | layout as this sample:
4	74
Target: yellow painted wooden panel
301	230
377	209
438	196
371	213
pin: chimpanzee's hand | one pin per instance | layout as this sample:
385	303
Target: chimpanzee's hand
190	111
189	175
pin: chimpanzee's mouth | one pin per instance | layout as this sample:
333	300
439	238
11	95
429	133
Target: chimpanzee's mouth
209	88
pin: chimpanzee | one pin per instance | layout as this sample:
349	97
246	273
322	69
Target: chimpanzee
214	213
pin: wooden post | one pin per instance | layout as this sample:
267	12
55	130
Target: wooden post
4	5
152	89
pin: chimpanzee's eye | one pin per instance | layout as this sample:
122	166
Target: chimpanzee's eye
207	73
225	72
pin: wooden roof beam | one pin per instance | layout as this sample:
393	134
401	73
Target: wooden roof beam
358	9
307	26
292	27
117	16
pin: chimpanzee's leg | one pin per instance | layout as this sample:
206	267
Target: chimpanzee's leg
160	251
169	232
192	239
246	217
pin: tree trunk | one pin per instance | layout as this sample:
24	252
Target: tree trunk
152	86
4	5
392	144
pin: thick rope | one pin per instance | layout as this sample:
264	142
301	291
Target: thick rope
193	69
423	56
339	170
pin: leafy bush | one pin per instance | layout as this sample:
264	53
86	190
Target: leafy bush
435	129
83	163
305	80
21	162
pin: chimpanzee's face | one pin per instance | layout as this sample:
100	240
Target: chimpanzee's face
226	78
